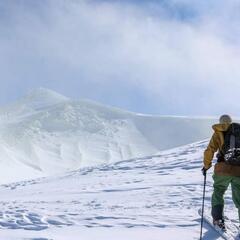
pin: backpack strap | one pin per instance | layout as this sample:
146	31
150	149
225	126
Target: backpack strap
232	141
232	138
220	154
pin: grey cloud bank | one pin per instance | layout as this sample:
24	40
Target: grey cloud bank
175	57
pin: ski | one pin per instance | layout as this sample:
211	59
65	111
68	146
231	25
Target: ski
229	234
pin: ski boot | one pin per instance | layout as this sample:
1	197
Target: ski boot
219	224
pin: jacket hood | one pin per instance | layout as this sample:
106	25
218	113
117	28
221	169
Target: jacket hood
220	127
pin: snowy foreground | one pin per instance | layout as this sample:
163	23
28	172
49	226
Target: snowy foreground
155	197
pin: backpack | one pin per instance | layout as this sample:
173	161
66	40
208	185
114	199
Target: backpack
231	147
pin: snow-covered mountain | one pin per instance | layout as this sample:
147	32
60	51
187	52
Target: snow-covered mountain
114	174
150	198
46	133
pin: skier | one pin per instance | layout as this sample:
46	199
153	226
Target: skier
224	172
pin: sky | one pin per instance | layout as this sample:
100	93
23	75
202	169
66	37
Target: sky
165	57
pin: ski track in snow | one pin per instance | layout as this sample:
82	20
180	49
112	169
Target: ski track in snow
162	191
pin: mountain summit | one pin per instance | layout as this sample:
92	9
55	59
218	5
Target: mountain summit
42	97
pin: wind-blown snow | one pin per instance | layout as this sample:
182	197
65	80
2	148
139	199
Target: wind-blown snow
150	198
45	133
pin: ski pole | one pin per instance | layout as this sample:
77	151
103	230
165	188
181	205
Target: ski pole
203	199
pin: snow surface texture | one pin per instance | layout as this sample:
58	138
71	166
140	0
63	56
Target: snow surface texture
150	198
45	133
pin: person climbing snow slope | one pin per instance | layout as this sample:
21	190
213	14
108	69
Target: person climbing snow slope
226	141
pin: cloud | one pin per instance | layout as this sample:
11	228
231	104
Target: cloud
174	57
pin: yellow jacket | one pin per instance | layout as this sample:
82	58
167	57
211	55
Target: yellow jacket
216	144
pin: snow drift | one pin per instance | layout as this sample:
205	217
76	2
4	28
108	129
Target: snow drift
150	198
46	133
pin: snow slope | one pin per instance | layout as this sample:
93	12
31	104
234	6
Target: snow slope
45	133
149	198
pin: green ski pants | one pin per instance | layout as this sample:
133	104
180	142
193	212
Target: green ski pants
220	185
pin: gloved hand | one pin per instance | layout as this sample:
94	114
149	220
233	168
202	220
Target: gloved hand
204	171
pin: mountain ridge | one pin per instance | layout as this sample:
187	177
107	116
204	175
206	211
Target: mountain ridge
45	133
